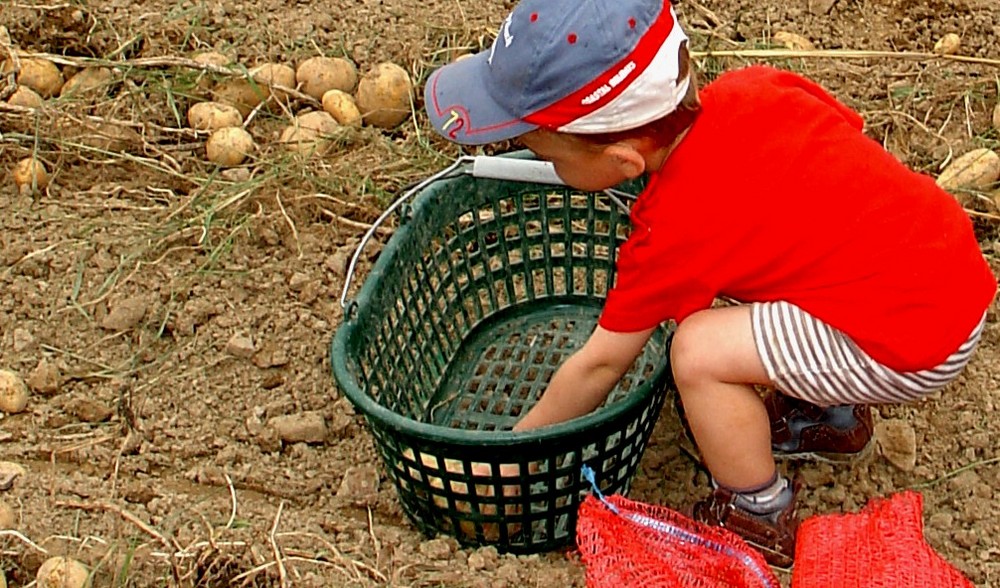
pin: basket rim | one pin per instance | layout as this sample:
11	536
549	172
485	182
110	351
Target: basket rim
385	417
464	437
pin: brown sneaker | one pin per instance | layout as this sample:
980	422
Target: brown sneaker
802	430
773	536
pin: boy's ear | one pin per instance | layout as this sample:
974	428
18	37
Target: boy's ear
628	159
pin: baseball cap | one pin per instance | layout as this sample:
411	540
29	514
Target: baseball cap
571	66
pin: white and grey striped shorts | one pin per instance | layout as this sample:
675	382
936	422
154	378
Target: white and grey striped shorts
808	359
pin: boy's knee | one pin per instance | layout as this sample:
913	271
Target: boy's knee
690	357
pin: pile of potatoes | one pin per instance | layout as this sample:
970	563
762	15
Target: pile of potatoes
39	80
380	98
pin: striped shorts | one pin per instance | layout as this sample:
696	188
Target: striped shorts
808	359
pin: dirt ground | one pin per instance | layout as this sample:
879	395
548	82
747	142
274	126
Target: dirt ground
165	313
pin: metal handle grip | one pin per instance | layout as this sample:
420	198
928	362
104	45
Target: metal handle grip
518	170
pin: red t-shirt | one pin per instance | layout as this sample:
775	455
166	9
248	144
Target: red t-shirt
776	194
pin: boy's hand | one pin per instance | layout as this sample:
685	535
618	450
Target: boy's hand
584	381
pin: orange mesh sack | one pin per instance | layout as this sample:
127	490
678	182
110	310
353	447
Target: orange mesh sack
625	543
880	547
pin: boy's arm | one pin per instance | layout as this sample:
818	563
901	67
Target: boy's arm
583	382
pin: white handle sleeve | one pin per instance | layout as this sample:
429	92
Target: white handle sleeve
520	170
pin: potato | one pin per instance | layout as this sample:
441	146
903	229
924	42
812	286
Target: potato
996	118
91	83
976	170
275	74
26	97
310	133
210	116
213	58
793	41
62	572
30	174
319	75
948	44
205	80
8	518
342	108
240	94
13	392
384	95
41	75
229	146
491	531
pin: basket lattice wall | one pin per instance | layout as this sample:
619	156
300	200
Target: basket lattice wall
475	301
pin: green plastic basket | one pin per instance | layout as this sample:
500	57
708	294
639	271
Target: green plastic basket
483	291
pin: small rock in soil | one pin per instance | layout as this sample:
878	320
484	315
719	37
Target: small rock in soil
436	549
88	410
821	6
897	441
266	437
236	174
10	472
23	340
272	381
337	263
359	486
549	576
819	475
241	346
965	481
308	427
941	521
45	378
310	292
269	356
484	558
133	443
125	314
139	493
298	281
967	538
508	572
340	425
980	440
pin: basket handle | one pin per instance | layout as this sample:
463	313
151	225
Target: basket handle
517	170
483	166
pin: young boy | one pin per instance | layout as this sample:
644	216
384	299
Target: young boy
861	281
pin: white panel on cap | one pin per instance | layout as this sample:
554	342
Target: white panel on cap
654	94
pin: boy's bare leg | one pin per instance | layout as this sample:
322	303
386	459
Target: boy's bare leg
715	364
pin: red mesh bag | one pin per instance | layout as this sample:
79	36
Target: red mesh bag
881	546
625	543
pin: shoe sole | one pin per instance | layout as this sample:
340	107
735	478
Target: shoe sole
825	457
